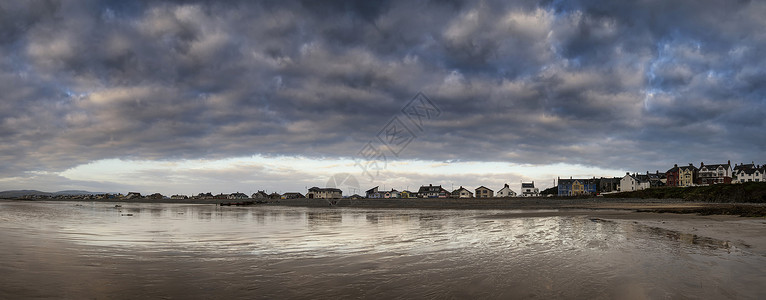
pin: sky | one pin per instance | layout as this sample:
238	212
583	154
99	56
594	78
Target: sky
239	96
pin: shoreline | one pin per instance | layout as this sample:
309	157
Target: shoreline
675	206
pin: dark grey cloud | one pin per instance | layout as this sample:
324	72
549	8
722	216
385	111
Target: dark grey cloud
603	83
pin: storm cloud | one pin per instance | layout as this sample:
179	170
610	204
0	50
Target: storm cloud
635	86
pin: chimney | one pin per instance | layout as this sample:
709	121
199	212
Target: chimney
702	164
675	165
729	162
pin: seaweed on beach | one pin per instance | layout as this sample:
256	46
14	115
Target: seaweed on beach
749	192
752	211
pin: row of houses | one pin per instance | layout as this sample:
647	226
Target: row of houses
677	176
437	191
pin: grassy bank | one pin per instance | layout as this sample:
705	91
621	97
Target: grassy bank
750	192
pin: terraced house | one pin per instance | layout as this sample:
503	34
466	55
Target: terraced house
634	183
714	174
681	176
749	173
575	187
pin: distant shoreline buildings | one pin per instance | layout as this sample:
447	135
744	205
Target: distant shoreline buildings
677	176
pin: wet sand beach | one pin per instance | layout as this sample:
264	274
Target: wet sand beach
291	249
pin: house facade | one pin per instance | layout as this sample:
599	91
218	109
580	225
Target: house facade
655	179
687	175
237	195
528	189
324	193
430	191
576	187
748	173
609	185
506	192
372	193
260	195
462	193
443	193
633	183
484	192
673	176
714	174
292	196
392	194
408	194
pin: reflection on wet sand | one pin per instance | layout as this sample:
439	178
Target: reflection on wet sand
201	251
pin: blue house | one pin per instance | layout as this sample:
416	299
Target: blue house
574	187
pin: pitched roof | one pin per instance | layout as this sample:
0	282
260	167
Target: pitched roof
689	167
527	185
316	189
716	166
460	189
430	188
744	167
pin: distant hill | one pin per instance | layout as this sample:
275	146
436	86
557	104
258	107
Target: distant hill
22	193
75	192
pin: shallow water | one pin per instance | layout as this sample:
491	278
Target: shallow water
97	250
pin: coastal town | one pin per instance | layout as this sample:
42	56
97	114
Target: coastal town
677	176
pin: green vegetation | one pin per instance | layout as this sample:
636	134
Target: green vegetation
750	192
550	191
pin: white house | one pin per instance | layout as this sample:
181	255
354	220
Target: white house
237	195
462	193
749	173
714	174
529	190
633	183
506	192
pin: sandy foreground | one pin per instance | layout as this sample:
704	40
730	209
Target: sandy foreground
719	223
